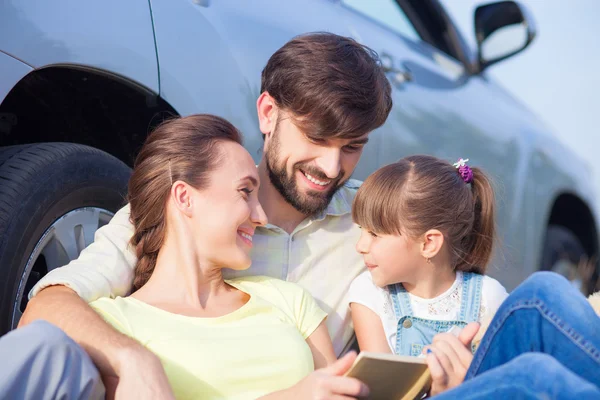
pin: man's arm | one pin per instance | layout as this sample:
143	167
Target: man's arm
119	358
62	307
104	269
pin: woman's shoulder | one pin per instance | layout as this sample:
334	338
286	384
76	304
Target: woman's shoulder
261	281
116	312
109	303
118	307
288	297
268	287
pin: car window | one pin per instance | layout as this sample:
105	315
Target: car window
387	13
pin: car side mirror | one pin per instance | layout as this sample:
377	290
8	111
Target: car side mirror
502	30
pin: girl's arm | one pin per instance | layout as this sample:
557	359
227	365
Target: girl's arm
369	329
321	346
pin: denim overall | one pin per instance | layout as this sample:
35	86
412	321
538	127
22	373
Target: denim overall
414	333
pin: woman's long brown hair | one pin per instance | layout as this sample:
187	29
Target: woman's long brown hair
182	149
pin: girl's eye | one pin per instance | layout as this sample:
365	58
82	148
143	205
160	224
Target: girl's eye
372	234
246	191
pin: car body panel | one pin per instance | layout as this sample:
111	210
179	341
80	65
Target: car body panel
13	71
210	57
240	37
111	35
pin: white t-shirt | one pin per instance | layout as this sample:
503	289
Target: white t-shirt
445	307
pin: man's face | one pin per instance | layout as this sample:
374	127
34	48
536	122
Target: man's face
308	173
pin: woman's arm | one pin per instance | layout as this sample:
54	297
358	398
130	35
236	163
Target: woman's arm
325	383
321	346
369	329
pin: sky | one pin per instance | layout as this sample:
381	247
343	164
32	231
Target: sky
558	75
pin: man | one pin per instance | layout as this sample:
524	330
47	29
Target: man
321	96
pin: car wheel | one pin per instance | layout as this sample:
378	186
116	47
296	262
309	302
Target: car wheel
53	198
565	255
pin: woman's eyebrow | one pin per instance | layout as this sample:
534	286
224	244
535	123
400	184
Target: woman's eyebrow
250	178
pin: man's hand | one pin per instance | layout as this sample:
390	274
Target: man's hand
326	383
449	358
128	369
141	376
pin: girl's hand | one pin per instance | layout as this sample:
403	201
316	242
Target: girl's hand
449	358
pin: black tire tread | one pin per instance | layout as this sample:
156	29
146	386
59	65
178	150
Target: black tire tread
18	167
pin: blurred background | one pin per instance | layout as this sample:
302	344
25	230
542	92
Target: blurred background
558	77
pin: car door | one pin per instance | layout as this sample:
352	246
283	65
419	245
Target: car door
211	53
440	108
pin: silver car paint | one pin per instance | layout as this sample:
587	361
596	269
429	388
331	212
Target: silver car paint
206	56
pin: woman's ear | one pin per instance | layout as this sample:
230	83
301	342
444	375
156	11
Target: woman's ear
181	193
433	240
267	113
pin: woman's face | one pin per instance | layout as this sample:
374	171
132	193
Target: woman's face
227	211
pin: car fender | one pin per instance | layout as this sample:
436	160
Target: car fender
111	35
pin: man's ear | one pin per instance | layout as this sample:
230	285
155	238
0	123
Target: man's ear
433	240
181	193
267	113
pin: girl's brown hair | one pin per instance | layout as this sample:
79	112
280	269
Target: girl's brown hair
184	149
422	192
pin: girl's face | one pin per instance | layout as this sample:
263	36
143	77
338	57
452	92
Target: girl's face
227	212
390	258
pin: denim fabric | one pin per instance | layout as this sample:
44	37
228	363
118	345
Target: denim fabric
414	333
543	343
528	376
545	314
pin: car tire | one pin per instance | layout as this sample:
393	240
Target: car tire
565	254
50	192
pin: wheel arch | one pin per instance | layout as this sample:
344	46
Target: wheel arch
70	103
570	211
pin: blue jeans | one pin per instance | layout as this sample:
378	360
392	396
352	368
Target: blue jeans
544	342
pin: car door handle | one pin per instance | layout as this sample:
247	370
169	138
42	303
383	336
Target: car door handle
398	76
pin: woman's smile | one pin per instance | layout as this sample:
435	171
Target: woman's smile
246	236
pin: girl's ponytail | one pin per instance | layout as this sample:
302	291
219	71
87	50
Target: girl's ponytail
478	245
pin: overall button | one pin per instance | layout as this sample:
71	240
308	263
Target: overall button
407	323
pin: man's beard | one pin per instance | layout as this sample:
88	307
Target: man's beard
309	203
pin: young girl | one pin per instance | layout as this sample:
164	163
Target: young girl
427	236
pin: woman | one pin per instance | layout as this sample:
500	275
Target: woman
194	207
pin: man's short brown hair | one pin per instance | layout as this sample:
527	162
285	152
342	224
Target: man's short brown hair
332	86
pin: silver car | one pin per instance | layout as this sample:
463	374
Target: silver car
81	83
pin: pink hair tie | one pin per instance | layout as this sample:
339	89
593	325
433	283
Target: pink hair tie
465	172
